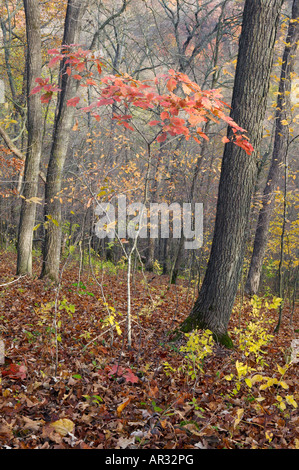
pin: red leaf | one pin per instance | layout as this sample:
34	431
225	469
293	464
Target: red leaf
164	115
89	81
80	67
46	97
15	371
153	123
35	90
54	60
53	51
99	68
42	81
86	109
162	137
131	377
73	101
126	125
96	116
116	369
142	104
105	101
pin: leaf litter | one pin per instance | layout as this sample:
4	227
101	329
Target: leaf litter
106	396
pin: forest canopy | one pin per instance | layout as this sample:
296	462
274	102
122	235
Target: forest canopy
149	224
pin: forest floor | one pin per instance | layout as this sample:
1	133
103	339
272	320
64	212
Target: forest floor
74	383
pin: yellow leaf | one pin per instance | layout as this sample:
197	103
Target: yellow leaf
63	426
36	200
284	122
240	413
248	382
282	406
283	385
257	378
290	400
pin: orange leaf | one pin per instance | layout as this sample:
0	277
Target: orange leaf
76	125
171	84
122	406
164	115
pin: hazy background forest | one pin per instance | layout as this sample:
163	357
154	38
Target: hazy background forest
143	39
61	156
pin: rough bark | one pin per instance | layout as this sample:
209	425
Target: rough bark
34	145
279	150
62	129
214	304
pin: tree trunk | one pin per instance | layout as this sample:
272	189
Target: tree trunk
213	307
62	129
34	145
278	155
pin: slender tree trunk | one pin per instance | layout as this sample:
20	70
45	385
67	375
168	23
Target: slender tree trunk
282	240
213	307
62	129
278	155
34	146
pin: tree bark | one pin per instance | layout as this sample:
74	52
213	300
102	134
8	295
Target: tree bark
213	307
62	129
278	155
34	144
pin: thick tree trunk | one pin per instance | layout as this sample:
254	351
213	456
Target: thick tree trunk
214	304
279	150
34	146
62	129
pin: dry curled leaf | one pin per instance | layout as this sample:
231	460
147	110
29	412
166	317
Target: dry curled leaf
123	443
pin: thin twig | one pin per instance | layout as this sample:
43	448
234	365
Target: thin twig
11	282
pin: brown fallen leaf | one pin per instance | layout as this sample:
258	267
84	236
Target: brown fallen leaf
123	443
192	428
5	431
50	433
31	424
153	392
